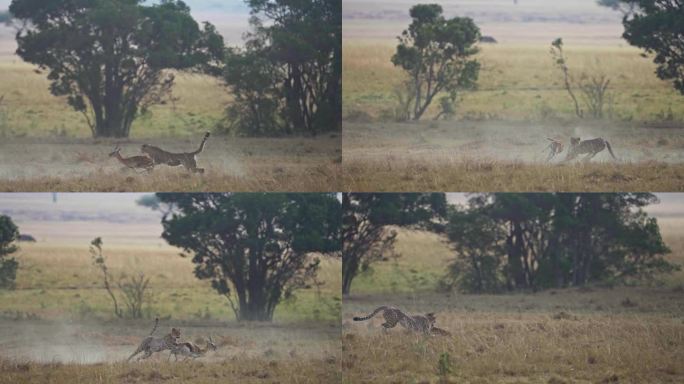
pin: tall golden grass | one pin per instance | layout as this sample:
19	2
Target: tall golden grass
60	282
518	82
473	156
30	110
525	347
447	174
238	370
596	334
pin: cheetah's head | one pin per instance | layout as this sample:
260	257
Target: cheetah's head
431	317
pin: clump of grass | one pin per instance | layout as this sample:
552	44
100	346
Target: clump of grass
445	174
241	369
530	346
444	366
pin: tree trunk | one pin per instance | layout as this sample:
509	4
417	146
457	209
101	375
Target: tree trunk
255	307
515	255
350	266
113	120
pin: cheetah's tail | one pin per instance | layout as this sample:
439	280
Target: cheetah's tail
371	315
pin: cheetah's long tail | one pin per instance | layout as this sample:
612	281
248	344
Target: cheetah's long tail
201	147
379	309
156	322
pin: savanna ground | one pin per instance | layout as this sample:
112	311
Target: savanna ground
497	138
597	334
57	326
46	146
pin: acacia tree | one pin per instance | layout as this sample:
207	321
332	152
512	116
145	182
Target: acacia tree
109	58
436	53
288	77
556	240
9	233
477	239
256	247
365	218
657	26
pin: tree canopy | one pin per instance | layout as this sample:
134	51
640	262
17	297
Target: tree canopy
109	58
253	247
657	26
365	221
288	77
536	241
436	53
9	233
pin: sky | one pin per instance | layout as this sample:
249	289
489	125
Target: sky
77	218
229	16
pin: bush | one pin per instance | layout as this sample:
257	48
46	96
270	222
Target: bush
9	233
133	289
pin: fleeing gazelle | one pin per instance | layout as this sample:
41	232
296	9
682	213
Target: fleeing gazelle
189	349
555	147
133	162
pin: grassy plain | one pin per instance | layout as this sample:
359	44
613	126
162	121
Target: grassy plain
597	334
46	146
518	81
239	369
59	281
231	164
507	156
57	326
497	138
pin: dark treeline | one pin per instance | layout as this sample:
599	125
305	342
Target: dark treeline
536	241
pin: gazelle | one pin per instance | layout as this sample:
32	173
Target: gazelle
133	162
555	147
189	349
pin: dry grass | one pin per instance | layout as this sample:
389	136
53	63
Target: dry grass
523	348
45	146
240	369
59	281
507	156
232	164
517	82
473	176
576	335
500	127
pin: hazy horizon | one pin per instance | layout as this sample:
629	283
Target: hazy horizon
77	218
523	21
